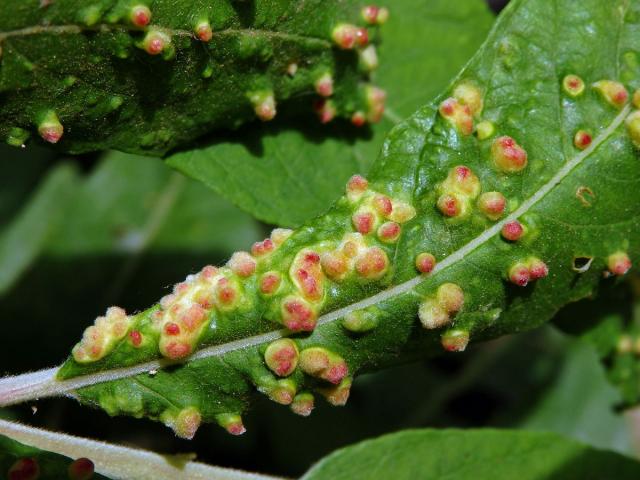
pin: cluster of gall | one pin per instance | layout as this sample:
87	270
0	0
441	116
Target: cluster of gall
323	364
613	92
439	311
507	155
460	109
100	338
521	273
457	191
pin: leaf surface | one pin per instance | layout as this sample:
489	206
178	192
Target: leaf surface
350	300
148	76
473	454
287	174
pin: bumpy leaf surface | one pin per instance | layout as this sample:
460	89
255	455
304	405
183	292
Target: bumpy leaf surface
348	287
146	76
285	174
463	455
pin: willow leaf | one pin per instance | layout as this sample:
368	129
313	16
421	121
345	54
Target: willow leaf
472	454
347	286
147	76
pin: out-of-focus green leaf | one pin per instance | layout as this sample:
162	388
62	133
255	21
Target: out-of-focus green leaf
580	402
473	455
285	176
23	238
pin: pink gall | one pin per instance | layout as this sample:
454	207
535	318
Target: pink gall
156	42
281	356
519	274
303	404
450	297
264	104
469	95
463	181
512	231
324	364
136	338
306	273
242	264
204	31
372	264
358	119
582	139
376	99
458	115
324	85
280	235
232	423
283	392
325	109
633	127
369	58
370	14
613	92
334	265
573	85
49	127
140	16
401	212
176	350
433	315
537	268
345	36
81	469
383	205
297	315
339	394
508	156
492	205
389	232
619	263
425	262
356	187
455	340
262	248
363	221
24	469
450	205
270	282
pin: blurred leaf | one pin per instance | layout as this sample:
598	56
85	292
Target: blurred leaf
285	175
23	238
128	228
473	455
579	403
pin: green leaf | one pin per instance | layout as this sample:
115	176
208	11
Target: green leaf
288	174
354	301
473	454
148	76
